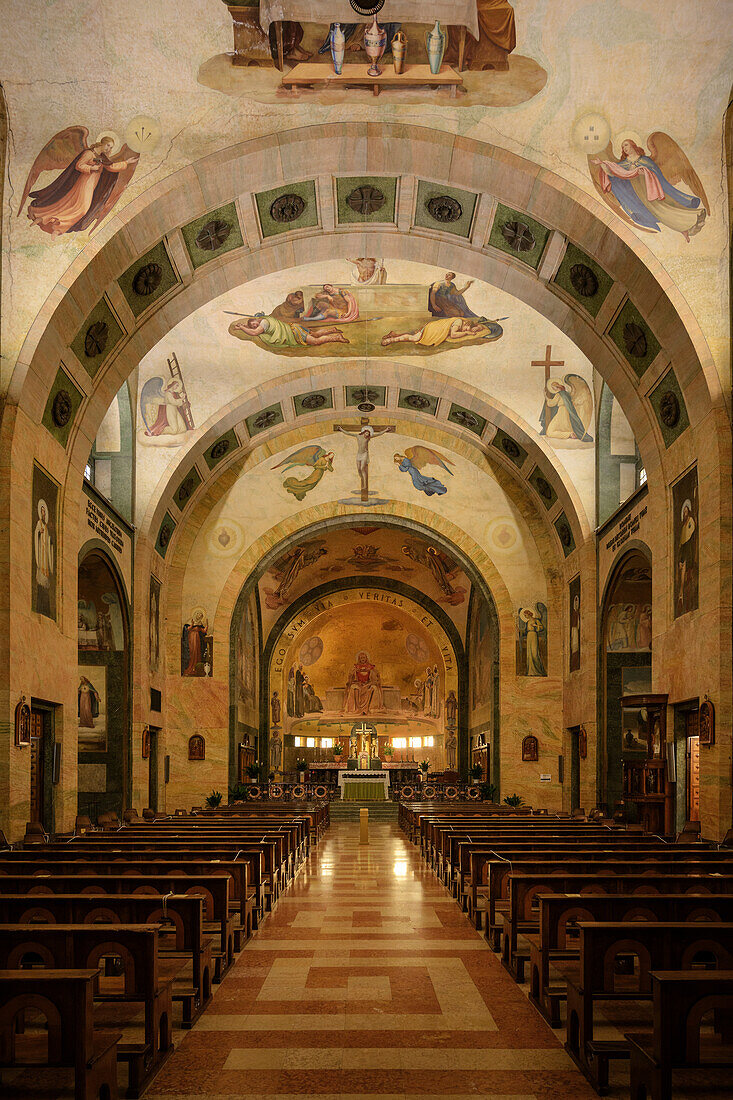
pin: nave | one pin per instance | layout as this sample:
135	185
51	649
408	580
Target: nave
369	980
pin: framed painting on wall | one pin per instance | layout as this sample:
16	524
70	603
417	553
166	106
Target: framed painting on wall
686	547
92	708
43	535
574	592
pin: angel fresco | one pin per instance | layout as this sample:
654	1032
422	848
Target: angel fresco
312	455
412	462
532	641
640	188
89	183
568	409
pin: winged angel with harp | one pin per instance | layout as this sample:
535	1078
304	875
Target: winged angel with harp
640	188
88	186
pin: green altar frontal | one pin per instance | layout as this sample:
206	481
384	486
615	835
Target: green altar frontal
364	790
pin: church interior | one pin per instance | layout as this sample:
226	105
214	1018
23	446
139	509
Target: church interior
366	500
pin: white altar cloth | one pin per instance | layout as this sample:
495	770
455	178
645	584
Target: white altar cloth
357	776
453	13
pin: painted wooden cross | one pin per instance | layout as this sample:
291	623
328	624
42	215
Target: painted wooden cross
548	362
364	433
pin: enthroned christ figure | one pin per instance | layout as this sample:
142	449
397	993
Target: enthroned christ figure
363	688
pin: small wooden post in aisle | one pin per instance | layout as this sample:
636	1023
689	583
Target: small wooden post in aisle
363	827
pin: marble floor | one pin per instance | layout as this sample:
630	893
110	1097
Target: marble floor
368	980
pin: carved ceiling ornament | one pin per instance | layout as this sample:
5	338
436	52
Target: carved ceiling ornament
213	235
518	236
61	409
669	409
467	419
313	401
583	280
366	199
287	208
635	340
147	279
444	209
219	449
95	339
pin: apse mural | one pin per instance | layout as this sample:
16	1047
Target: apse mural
686	544
247	664
92	708
480	653
368	319
629	614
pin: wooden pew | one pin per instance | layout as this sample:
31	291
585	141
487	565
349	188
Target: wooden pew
524	889
82	947
558	937
181	921
72	1039
679	1000
213	888
596	977
61	863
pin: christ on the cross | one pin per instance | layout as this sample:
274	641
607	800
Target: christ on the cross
364	434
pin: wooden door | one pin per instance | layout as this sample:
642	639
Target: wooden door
37	770
693	765
153	771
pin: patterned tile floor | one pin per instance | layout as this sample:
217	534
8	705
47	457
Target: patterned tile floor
368	980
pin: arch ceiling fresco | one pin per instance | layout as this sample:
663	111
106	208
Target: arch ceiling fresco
336	311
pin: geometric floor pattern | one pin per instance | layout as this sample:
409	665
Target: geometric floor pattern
368	981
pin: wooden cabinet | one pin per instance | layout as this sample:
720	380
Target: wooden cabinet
647	789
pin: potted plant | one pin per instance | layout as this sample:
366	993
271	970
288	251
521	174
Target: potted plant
253	771
389	750
271	777
489	792
424	768
514	800
237	793
301	766
338	749
477	774
213	800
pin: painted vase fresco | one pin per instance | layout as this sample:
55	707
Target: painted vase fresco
435	41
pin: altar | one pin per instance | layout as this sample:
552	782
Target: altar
364	786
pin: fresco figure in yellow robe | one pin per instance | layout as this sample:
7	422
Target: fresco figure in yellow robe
444	330
285	334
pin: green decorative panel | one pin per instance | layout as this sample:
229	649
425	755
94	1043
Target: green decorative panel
565	534
286	208
212	235
669	407
264	419
634	339
509	447
373	395
467	419
165	534
366	199
148	279
583	279
542	486
518	235
187	488
445	208
418	402
97	338
312	402
62	406
223	446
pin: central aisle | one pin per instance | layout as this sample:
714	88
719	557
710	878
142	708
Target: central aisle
368	979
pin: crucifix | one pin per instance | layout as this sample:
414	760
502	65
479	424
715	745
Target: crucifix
548	362
364	433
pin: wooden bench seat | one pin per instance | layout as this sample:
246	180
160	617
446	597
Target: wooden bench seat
66	997
83	946
558	938
600	978
679	1000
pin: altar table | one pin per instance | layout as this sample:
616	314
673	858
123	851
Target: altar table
367	786
454	13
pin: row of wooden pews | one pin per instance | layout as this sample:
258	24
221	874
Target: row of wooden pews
111	938
625	939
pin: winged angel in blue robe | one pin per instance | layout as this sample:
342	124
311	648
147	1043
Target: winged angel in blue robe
412	462
640	188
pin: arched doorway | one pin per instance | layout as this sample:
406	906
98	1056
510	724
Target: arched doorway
626	660
103	690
